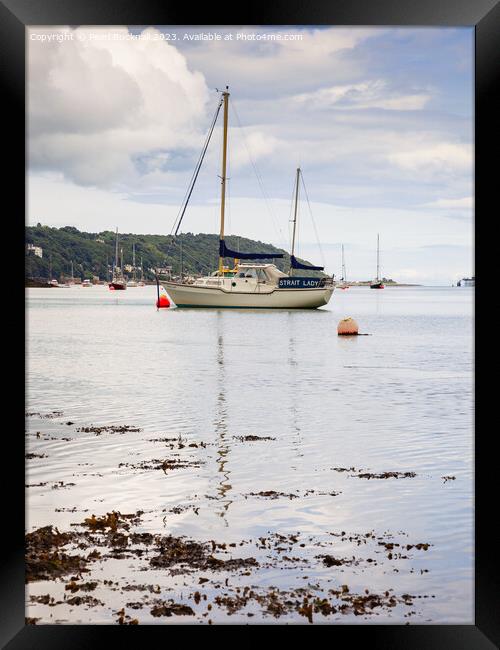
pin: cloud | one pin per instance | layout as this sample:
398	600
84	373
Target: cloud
464	203
441	156
368	94
262	68
96	105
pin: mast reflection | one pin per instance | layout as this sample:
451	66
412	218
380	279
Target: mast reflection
220	425
293	392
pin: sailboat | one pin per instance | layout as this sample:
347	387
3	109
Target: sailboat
377	283
118	281
133	282
343	282
249	284
141	281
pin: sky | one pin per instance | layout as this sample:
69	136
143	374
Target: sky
380	120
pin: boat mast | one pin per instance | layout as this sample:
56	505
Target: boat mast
225	95
133	259
116	251
295	215
378	258
343	265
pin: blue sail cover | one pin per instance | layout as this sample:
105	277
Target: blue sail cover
305	267
224	251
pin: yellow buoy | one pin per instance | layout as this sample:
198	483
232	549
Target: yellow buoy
347	326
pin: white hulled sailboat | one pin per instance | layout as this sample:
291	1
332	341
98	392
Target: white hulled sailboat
118	281
343	281
377	283
250	284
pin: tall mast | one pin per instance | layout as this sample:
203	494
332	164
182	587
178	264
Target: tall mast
225	95
295	214
116	250
133	258
378	258
343	264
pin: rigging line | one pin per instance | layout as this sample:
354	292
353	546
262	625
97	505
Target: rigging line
187	254
313	222
192	182
267	200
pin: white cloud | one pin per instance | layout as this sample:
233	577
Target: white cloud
465	203
96	105
440	156
367	94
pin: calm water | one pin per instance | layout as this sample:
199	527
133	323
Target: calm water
398	400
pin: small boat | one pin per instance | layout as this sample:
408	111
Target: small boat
343	283
133	282
377	283
118	281
249	284
86	283
467	282
54	283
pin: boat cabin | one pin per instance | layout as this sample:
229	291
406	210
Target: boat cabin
244	277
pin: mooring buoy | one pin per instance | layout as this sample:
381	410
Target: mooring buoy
347	326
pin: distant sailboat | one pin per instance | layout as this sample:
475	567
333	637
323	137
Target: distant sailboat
343	281
141	281
118	281
133	282
377	283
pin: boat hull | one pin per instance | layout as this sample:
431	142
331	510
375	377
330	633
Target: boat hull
377	285
117	286
183	295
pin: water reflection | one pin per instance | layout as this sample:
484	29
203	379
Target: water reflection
220	425
296	438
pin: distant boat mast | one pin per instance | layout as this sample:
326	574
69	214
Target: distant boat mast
378	258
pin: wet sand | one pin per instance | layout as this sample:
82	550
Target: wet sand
113	567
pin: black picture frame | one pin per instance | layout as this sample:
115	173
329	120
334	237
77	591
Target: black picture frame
485	16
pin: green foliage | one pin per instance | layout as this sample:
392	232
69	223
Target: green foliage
92	257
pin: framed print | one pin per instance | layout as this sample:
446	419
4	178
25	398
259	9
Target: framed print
249	384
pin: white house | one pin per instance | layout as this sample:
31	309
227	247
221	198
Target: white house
35	250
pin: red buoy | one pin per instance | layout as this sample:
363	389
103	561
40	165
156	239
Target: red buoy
163	301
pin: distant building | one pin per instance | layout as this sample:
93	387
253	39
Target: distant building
31	249
128	268
101	241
